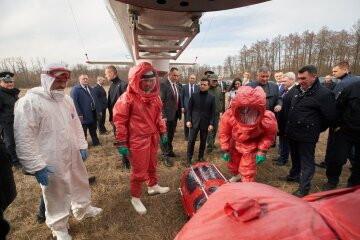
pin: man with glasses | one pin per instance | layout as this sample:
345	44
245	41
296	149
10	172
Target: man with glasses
186	92
8	97
138	121
312	111
51	145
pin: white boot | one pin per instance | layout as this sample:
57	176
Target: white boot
138	205
62	234
87	212
157	189
235	178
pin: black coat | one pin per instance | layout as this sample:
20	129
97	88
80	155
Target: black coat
169	102
117	88
271	90
283	114
7	184
348	107
201	110
8	97
310	113
345	81
101	95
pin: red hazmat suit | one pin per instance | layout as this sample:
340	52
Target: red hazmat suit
138	121
245	129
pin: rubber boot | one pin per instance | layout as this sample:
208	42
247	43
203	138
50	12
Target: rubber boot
235	178
138	205
157	189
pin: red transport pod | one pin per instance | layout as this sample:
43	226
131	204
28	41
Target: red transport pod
197	184
256	211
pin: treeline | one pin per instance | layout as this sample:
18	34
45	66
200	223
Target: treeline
287	53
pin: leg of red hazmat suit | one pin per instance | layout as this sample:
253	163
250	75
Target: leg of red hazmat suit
247	167
152	167
233	164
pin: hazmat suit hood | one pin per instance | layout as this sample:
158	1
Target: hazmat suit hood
249	105
136	74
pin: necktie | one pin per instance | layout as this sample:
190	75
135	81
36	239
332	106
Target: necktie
284	92
191	90
175	95
92	99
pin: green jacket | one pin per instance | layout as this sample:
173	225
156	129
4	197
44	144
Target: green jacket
219	98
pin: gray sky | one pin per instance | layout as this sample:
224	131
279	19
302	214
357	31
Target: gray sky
46	29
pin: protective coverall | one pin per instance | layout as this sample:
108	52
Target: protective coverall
138	121
48	133
245	129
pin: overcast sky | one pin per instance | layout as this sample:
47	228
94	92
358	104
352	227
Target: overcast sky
46	29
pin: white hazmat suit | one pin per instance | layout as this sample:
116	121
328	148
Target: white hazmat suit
48	132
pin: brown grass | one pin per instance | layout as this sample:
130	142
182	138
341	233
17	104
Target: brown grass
165	215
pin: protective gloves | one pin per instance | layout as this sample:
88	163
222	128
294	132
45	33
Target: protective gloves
42	175
260	156
225	155
164	139
124	150
84	154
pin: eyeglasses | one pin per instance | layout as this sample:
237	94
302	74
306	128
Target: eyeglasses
58	73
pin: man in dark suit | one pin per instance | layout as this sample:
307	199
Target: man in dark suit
222	85
117	88
101	95
186	93
171	111
200	117
288	81
87	107
311	112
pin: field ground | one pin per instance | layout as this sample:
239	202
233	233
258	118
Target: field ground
165	216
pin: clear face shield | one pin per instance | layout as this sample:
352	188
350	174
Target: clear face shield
247	115
148	82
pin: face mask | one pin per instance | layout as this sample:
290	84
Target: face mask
58	95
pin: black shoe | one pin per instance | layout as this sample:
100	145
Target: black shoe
276	160
274	145
200	159
209	150
96	144
321	165
40	219
92	179
186	138
168	162
171	154
289	178
328	186
301	193
279	163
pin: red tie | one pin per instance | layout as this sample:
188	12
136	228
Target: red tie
175	95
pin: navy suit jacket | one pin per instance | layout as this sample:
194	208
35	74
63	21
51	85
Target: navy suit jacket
201	112
83	101
169	102
101	95
185	95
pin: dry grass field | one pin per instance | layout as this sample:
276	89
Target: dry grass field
165	215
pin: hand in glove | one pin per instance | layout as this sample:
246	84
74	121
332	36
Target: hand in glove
42	175
260	156
84	154
124	150
164	139
225	155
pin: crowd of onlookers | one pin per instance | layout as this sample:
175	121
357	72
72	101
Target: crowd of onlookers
45	132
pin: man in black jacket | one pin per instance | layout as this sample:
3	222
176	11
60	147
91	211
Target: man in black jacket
347	135
312	110
101	95
117	88
8	97
170	95
200	117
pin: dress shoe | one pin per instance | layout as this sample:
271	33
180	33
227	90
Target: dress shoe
172	154
276	159
200	159
168	162
92	179
301	193
321	165
328	186
96	144
289	178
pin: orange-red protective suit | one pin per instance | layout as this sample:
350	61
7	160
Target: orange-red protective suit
245	129
138	121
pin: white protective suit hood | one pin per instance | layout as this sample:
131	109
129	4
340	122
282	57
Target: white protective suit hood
47	81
